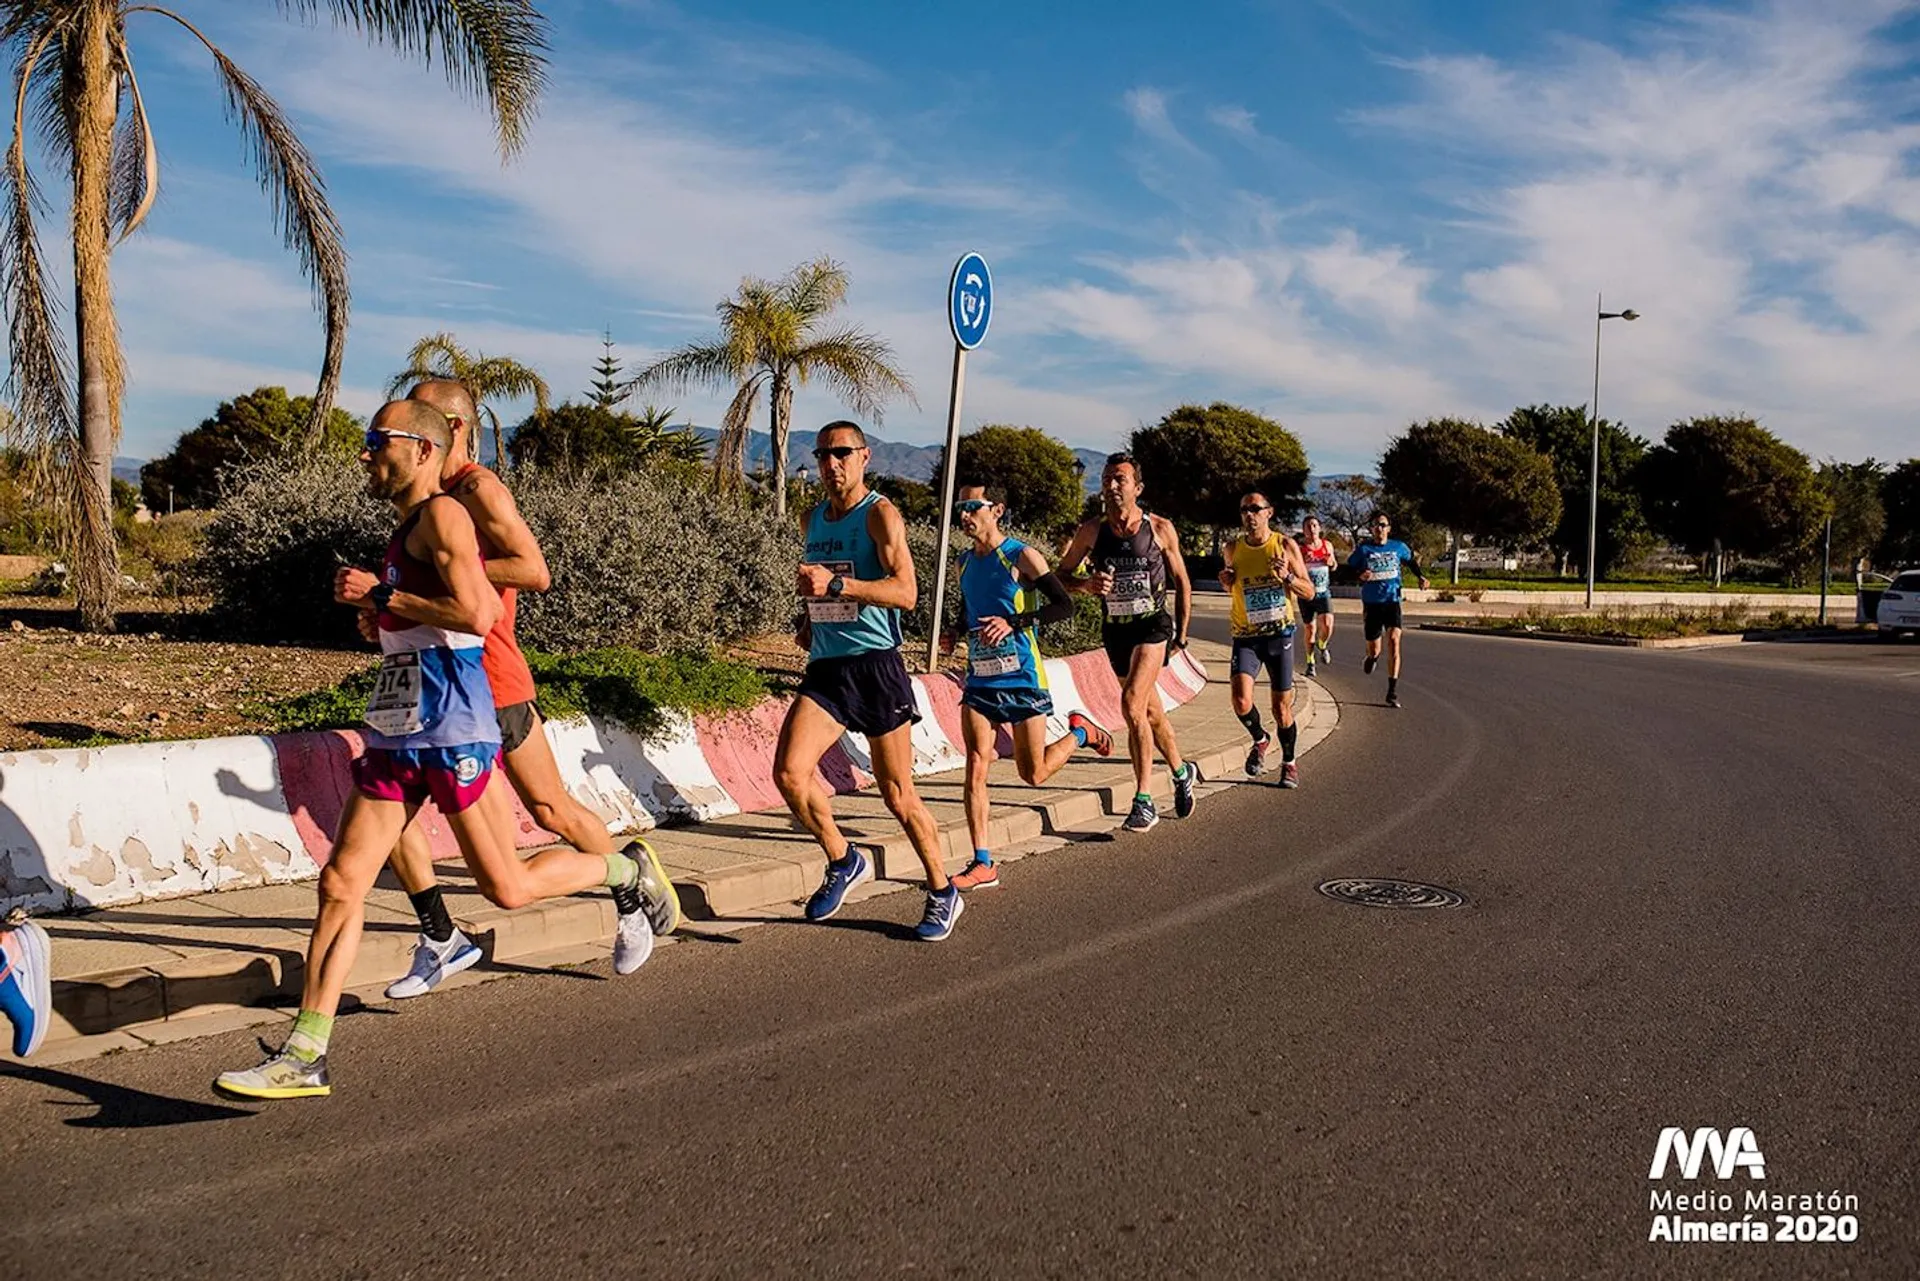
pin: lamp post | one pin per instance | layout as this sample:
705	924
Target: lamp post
1593	412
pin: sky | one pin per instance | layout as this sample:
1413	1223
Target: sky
1349	215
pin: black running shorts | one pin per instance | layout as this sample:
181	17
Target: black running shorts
1380	616
868	693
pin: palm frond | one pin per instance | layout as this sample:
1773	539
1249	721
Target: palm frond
730	451
298	194
858	366
39	380
815	288
434	356
710	366
502	377
494	50
135	183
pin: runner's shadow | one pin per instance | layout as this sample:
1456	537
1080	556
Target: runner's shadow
887	929
122	1107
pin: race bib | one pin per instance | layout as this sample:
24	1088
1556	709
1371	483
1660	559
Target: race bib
833	609
394	709
992	660
1321	578
1266	606
1384	563
1132	594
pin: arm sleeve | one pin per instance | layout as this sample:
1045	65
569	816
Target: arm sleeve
1058	608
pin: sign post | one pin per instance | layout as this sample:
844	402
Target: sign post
969	308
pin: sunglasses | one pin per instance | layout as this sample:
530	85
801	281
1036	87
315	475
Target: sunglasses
1254	507
841	452
1381	524
969	506
376	439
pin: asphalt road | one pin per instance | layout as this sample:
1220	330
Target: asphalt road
1691	903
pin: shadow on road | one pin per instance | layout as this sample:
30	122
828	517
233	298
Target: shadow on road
121	1107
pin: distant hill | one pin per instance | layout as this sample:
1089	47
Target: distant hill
127	469
890	457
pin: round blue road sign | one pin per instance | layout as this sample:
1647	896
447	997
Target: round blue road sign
970	301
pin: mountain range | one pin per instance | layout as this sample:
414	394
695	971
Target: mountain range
890	457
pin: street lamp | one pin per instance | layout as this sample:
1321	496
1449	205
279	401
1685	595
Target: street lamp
1593	412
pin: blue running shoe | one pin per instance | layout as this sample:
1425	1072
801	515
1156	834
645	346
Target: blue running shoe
842	875
26	984
943	909
1142	816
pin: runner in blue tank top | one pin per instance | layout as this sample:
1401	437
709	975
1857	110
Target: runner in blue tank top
856	578
1380	559
1001	582
432	734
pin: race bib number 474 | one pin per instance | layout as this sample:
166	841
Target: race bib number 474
394	709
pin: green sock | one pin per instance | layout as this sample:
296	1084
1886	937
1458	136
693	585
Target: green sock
311	1032
622	871
1143	796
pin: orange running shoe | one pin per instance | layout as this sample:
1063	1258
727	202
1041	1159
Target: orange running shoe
978	876
1097	738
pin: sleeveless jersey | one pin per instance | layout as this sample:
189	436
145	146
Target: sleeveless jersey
507	670
1261	606
432	690
1320	561
843	628
1139	571
990	587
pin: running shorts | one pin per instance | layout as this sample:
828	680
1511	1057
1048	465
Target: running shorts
1321	604
452	777
1121	639
1380	616
869	693
1275	653
1008	706
517	723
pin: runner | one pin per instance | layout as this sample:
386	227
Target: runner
1135	555
26	982
1316	612
1006	679
1265	573
1379	559
857	577
432	732
514	564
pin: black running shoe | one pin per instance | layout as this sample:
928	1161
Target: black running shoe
1393	699
1183	790
1373	661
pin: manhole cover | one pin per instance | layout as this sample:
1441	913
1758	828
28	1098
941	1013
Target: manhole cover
1375	892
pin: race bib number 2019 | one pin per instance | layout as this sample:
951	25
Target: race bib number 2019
394	709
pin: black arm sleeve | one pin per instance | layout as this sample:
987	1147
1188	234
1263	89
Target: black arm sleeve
1058	608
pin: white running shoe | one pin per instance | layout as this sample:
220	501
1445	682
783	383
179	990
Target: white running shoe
432	963
632	942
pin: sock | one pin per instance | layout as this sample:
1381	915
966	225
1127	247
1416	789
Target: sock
1393	683
430	905
1080	735
1143	796
1289	735
311	1032
622	872
983	857
1185	771
1252	721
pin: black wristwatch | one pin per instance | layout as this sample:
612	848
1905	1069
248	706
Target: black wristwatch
836	585
380	595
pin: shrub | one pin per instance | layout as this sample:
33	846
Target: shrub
162	554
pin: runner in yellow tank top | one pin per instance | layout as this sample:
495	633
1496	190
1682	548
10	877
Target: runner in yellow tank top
1266	575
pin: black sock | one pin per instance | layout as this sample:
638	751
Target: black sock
1392	683
1252	721
1289	735
431	907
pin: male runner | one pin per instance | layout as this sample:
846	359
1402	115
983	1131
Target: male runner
432	732
1135	555
1265	574
1006	680
1316	612
26	983
514	564
1379	559
857	577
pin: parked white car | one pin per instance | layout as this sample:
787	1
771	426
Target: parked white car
1900	606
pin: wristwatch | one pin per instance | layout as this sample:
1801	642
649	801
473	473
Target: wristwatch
380	595
836	585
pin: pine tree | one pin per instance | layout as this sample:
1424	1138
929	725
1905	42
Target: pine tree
606	387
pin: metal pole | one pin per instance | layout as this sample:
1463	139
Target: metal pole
1826	571
945	516
1593	488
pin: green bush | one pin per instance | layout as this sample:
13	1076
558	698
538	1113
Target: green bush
621	685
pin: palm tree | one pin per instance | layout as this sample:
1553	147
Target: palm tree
769	340
75	56
654	437
486	377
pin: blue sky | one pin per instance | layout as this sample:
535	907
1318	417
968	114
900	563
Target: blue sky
1347	214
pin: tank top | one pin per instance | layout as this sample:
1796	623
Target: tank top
507	670
1139	570
843	628
1320	562
1261	606
432	690
990	587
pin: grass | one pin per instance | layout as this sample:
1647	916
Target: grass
1661	622
631	688
1517	581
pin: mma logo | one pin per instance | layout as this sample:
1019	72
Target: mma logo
1738	1149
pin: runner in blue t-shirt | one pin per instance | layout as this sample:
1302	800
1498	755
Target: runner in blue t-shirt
1379	560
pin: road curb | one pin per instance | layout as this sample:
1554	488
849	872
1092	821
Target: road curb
216	991
1615	642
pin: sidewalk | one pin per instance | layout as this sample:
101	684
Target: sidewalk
157	972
